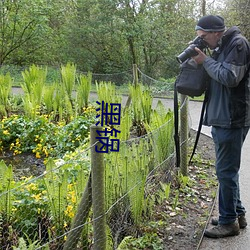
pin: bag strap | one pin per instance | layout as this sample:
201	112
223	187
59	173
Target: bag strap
176	126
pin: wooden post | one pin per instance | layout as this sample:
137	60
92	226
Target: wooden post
135	74
80	218
135	82
98	195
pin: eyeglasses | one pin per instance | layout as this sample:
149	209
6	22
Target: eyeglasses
204	35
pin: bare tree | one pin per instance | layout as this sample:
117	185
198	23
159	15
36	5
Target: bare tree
20	22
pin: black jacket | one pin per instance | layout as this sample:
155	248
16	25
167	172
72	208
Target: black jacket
229	90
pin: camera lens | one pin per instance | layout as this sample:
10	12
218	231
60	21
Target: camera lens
187	53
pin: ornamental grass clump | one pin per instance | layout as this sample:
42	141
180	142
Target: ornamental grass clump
83	91
160	131
34	80
5	91
68	75
142	109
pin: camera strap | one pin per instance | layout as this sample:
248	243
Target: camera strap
199	127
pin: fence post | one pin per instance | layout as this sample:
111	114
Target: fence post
135	74
80	218
184	135
98	195
135	82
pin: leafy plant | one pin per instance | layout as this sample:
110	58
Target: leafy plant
30	208
147	241
106	92
68	74
43	137
164	191
126	174
5	90
48	98
6	184
83	91
141	110
184	181
34	81
22	245
161	128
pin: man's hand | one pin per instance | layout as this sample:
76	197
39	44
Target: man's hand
200	58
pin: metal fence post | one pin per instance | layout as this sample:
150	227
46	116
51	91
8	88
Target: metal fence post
184	135
98	195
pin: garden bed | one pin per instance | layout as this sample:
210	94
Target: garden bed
178	222
185	226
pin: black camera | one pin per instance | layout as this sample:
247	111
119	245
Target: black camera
190	51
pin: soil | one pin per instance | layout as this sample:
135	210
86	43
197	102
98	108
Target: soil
25	164
186	223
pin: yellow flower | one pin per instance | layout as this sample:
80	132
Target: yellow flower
69	211
45	151
6	132
73	199
38	156
17	152
31	187
37	196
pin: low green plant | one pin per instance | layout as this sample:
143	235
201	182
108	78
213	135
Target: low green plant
6	196
164	191
48	98
176	199
5	91
23	245
141	110
106	92
56	185
43	137
126	173
184	181
30	207
68	76
33	85
161	128
83	91
147	241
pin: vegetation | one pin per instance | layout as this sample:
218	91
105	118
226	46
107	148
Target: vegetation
52	119
107	36
56	129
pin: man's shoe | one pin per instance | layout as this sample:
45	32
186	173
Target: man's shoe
221	231
241	219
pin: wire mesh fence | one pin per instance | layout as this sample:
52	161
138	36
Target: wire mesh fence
60	208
